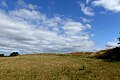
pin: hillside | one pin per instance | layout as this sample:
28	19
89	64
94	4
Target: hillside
57	67
110	54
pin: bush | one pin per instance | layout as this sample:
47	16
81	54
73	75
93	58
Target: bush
14	54
2	55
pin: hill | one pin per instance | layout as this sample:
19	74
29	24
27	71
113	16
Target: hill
57	67
110	54
82	53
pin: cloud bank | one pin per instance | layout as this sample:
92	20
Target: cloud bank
30	31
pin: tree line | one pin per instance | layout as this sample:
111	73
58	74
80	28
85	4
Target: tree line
11	54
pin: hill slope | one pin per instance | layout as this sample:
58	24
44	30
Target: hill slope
57	67
110	54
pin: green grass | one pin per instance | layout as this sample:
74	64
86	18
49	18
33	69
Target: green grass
57	67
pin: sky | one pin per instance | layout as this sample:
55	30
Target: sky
58	26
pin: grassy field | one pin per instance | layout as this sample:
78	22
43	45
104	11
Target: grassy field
57	67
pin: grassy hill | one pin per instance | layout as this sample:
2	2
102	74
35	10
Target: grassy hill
57	67
109	55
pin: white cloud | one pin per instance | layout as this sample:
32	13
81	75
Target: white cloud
111	45
4	3
112	5
28	14
73	28
87	1
87	10
85	20
22	4
31	31
88	26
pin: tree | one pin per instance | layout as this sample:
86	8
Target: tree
119	41
2	55
14	54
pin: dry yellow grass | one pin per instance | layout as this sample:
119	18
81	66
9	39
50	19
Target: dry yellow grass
57	67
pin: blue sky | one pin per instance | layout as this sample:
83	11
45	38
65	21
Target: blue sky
40	26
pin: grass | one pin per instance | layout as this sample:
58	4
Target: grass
57	67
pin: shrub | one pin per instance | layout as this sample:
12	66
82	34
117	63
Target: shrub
14	54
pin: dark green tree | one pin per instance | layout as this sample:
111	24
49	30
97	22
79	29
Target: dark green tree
14	54
2	55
